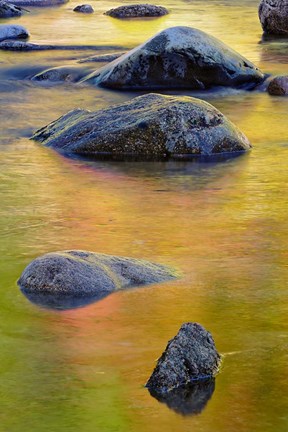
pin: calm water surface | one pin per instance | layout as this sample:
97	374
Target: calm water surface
223	225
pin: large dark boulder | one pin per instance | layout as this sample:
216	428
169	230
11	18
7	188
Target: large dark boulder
12	31
151	125
273	16
190	356
137	11
8	10
278	86
178	57
85	275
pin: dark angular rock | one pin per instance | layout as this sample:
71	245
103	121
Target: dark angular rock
85	8
187	400
137	11
84	275
151	125
273	16
12	31
278	86
8	10
190	356
178	57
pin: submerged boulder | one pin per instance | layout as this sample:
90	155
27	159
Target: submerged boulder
12	31
74	274
151	125
273	16
9	10
137	11
60	74
178	57
85	8
278	86
190	356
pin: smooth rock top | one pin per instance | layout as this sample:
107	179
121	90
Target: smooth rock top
85	8
150	125
273	16
84	274
278	86
8	10
178	57
190	356
12	31
137	11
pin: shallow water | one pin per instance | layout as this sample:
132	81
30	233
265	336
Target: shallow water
223	225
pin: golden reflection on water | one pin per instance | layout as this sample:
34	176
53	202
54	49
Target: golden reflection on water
223	225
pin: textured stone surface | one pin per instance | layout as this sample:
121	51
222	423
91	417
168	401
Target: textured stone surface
101	58
137	11
60	74
191	355
19	45
273	16
88	274
178	57
8	10
85	8
13	31
278	86
149	125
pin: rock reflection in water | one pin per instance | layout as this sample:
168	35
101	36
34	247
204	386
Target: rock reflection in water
188	400
60	302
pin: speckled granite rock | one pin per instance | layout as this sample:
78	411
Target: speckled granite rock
84	274
190	356
178	57
137	11
12	31
8	10
278	86
273	16
149	125
85	8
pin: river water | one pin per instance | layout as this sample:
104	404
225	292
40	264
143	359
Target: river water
223	225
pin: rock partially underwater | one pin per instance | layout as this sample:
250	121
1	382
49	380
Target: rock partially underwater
74	278
9	10
273	16
85	8
278	86
137	11
189	357
13	31
178	57
150	126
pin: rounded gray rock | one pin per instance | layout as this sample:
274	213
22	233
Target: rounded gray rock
85	8
83	274
12	31
178	57
273	16
9	10
278	86
190	356
137	11
152	125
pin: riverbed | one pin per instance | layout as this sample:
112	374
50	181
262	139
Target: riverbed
222	224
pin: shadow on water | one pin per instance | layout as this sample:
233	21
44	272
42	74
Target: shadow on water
189	400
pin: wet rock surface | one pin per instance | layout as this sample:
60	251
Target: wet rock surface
9	10
102	58
137	11
60	74
12	31
179	57
18	45
187	400
278	86
85	8
86	275
273	16
150	125
39	3
190	356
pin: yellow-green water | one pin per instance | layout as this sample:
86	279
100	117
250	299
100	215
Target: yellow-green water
223	225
